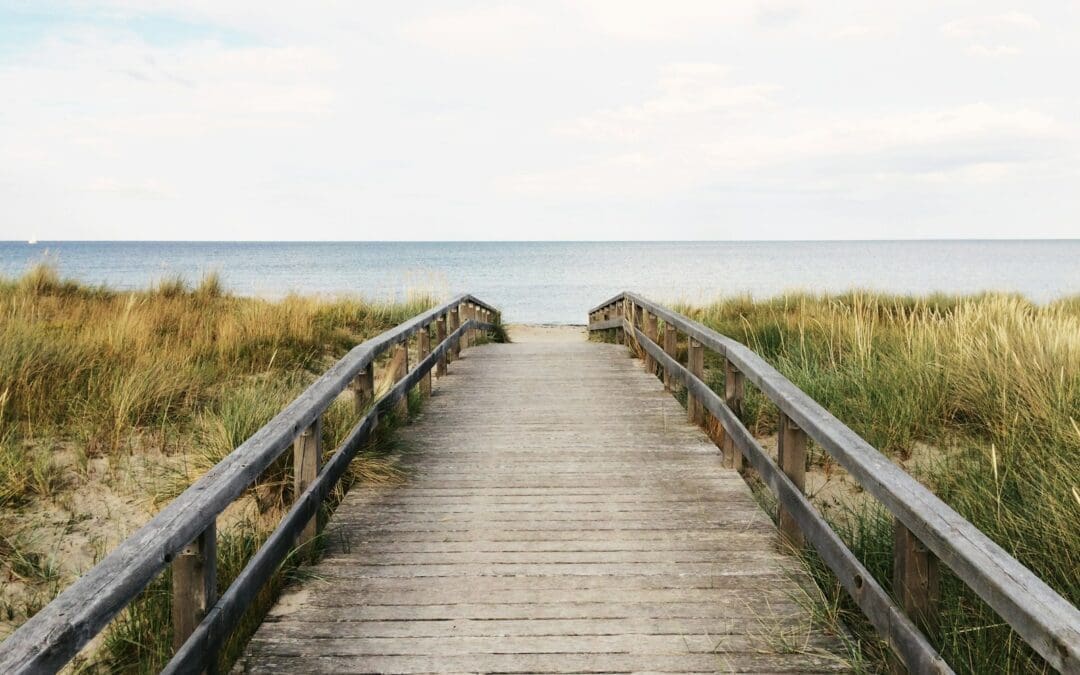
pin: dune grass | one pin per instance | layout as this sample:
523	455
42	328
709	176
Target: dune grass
180	373
990	384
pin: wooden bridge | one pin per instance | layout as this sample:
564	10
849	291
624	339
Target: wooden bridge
561	512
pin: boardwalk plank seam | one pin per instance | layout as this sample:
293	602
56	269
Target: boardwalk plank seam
559	500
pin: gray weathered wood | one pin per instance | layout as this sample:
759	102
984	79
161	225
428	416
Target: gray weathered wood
905	639
399	366
423	348
307	459
651	331
695	361
440	335
915	579
200	649
591	519
194	584
606	324
733	398
791	449
56	633
671	347
363	389
453	323
1046	620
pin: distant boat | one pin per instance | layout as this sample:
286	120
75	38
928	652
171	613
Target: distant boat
32	241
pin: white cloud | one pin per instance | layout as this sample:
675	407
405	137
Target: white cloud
992	51
670	149
854	31
569	119
685	90
652	21
478	29
990	25
146	187
985	34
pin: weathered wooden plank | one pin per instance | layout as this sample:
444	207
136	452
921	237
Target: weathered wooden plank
614	527
348	627
559	559
726	662
724	591
685	643
607	608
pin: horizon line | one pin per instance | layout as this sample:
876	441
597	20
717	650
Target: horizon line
33	242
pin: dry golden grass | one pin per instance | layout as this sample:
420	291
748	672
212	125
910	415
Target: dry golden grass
177	376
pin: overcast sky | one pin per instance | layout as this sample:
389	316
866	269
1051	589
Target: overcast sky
594	119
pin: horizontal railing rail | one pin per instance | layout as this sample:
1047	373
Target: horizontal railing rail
927	529
182	533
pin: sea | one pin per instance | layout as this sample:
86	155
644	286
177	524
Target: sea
558	282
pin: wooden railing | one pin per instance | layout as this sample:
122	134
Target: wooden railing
926	529
183	533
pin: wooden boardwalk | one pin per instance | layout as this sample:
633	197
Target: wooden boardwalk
560	515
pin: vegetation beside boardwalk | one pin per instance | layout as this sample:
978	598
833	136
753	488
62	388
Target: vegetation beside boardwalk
134	395
979	396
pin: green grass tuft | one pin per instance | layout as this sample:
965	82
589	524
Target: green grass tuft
990	382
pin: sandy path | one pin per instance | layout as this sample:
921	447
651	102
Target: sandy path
546	333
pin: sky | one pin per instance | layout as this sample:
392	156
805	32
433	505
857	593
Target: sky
592	119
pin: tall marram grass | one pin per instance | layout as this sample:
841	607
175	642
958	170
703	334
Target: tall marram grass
187	371
96	364
990	382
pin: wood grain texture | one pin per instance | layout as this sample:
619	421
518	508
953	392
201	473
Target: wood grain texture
560	515
1043	618
49	639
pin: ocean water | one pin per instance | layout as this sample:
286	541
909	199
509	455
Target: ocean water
557	282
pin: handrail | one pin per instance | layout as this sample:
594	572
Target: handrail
49	639
1046	620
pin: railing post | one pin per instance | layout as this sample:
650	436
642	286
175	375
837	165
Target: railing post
653	335
671	348
399	365
635	321
733	397
194	584
791	454
466	314
695	363
307	458
363	389
440	337
455	322
423	347
620	337
472	331
916	579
